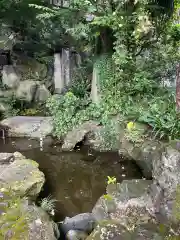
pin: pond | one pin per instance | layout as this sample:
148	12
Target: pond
76	179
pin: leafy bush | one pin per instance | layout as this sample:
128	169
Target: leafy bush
144	52
67	112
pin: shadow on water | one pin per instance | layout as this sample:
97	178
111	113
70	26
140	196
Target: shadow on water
75	179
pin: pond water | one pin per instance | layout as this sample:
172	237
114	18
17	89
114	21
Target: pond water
75	179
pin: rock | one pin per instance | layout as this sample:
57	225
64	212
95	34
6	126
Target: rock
150	231
78	134
109	230
83	222
23	176
166	176
10	78
113	230
7	41
29	68
76	235
41	227
42	94
156	193
6	158
144	154
24	126
3	107
33	222
106	138
27	90
95	140
5	94
128	202
100	211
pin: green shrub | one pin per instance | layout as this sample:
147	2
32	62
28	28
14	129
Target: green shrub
163	117
67	111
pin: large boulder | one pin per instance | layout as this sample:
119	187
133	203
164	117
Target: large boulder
144	154
78	134
42	94
113	230
6	158
20	183
84	222
40	226
76	235
27	90
21	175
10	78
166	174
97	140
29	68
24	220
24	126
128	203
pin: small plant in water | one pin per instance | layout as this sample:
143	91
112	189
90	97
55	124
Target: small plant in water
111	180
108	197
48	205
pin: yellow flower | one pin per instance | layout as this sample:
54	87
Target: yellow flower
130	126
111	180
108	197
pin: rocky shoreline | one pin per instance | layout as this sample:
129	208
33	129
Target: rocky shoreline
137	209
133	209
25	181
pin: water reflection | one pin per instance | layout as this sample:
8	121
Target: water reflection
75	179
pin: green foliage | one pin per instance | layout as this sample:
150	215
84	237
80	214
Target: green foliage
67	112
143	39
29	112
133	133
10	109
163	117
81	82
13	221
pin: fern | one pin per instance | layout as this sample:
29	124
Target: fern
48	204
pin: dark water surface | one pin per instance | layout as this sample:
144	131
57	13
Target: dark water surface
76	179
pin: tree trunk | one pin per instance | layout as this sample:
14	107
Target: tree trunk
178	88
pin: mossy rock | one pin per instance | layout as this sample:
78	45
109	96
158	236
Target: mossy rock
113	230
23	176
31	69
